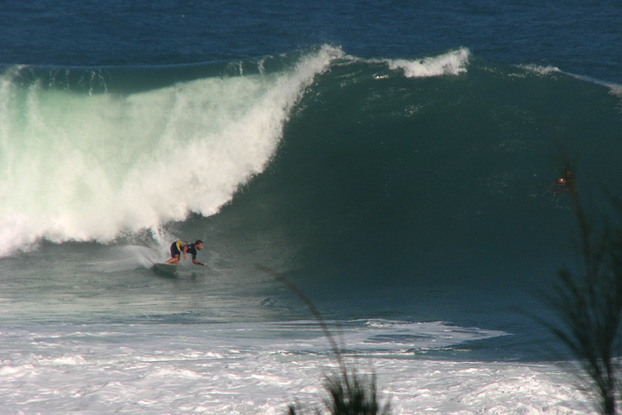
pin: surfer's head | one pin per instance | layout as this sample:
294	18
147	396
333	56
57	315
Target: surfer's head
198	244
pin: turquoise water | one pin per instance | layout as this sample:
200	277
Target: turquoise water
380	186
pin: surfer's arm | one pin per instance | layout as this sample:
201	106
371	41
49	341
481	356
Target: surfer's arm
195	262
185	251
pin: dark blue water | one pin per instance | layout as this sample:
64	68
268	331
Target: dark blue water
391	158
579	37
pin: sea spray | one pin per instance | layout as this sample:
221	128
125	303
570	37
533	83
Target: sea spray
451	63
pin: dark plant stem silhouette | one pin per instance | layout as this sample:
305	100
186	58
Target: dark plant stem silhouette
589	305
348	394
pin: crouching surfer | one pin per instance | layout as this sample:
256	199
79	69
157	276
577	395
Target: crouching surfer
181	247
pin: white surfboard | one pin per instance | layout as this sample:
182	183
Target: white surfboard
166	269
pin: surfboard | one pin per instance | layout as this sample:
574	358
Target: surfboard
166	269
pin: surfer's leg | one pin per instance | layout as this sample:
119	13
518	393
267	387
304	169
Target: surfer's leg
174	255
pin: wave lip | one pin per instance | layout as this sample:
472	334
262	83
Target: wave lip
452	63
81	167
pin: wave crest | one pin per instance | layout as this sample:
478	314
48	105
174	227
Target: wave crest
451	63
79	166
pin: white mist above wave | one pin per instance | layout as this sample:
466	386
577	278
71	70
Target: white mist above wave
86	167
450	63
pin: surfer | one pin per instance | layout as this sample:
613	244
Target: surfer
564	184
179	247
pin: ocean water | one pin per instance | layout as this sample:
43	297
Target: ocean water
391	159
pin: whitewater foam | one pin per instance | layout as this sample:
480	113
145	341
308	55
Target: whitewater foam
541	70
450	63
79	166
188	368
